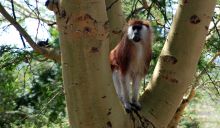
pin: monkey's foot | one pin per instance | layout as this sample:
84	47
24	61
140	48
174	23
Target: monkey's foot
128	107
136	106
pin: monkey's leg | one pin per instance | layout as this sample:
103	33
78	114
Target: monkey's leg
135	93
117	84
125	82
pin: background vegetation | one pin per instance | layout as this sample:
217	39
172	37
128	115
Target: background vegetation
31	93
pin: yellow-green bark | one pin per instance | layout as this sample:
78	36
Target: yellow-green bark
177	63
90	95
116	21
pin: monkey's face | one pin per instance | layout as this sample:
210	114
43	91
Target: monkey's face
137	32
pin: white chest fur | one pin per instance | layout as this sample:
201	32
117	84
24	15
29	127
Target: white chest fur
137	63
139	52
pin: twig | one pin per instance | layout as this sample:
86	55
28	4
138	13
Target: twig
215	25
211	61
134	12
212	81
13	12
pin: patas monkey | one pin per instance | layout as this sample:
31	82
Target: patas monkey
130	60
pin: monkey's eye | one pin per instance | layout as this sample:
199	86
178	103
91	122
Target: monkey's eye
136	27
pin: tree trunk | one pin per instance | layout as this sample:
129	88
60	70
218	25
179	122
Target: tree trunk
116	21
90	95
178	60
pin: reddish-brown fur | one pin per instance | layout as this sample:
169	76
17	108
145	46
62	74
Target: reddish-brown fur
122	55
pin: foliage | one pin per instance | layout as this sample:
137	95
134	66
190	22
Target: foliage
31	91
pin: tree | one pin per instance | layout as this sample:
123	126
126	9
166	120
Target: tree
166	72
84	48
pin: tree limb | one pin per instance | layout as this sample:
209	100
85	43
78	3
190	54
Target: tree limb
50	54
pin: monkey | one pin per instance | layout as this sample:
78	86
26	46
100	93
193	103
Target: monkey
130	60
43	43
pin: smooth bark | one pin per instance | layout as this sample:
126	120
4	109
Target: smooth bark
116	21
90	95
177	63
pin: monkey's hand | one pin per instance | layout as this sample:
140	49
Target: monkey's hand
127	107
53	5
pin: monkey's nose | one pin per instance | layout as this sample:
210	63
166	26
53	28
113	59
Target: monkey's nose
136	39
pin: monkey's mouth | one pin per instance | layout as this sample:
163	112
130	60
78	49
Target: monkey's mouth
136	39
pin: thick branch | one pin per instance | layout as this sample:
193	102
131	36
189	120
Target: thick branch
50	54
116	21
176	65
